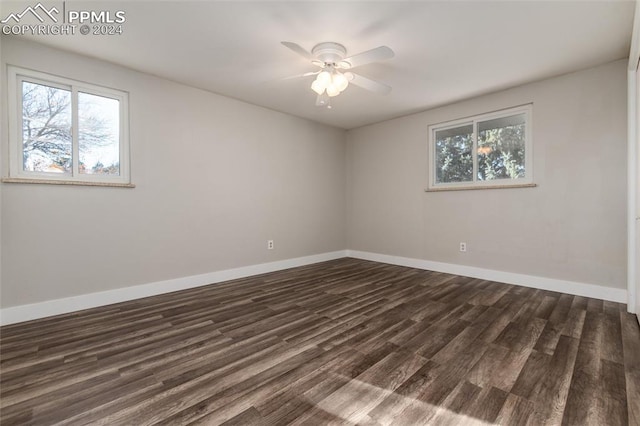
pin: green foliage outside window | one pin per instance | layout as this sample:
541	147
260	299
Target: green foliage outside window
500	145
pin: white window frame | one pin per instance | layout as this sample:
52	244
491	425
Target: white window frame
16	76
525	181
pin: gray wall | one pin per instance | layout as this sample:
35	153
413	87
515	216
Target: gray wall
570	227
215	178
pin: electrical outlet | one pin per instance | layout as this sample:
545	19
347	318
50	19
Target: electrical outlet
463	247
270	245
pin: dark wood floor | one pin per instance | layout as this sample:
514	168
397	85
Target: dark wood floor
342	342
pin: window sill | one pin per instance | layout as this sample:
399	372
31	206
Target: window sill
67	182
467	188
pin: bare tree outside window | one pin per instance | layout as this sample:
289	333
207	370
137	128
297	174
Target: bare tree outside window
47	142
46	128
98	134
65	131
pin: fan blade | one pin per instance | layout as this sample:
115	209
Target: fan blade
306	74
368	84
374	55
298	49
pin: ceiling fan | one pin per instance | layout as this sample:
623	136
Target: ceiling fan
334	75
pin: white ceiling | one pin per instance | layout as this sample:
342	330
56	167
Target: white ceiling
444	50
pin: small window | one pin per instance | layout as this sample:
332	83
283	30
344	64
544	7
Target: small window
64	131
489	150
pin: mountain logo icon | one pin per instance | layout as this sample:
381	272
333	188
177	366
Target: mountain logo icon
38	11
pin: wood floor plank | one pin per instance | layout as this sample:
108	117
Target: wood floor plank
508	372
582	403
553	389
521	335
595	305
330	361
487	406
490	364
239	397
613	397
447	379
300	407
548	339
354	400
516	411
575	322
340	342
631	347
529	308
612	335
453	409
579	303
581	406
180	395
532	373
406	394
464	339
250	416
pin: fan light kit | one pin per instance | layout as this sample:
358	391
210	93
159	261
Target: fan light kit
331	57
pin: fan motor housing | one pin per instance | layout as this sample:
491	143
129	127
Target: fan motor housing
329	52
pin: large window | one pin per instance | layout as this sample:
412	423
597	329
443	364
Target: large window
485	151
64	131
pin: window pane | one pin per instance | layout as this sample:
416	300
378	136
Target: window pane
46	128
99	135
453	154
501	145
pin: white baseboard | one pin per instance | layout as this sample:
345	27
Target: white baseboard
569	287
49	308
